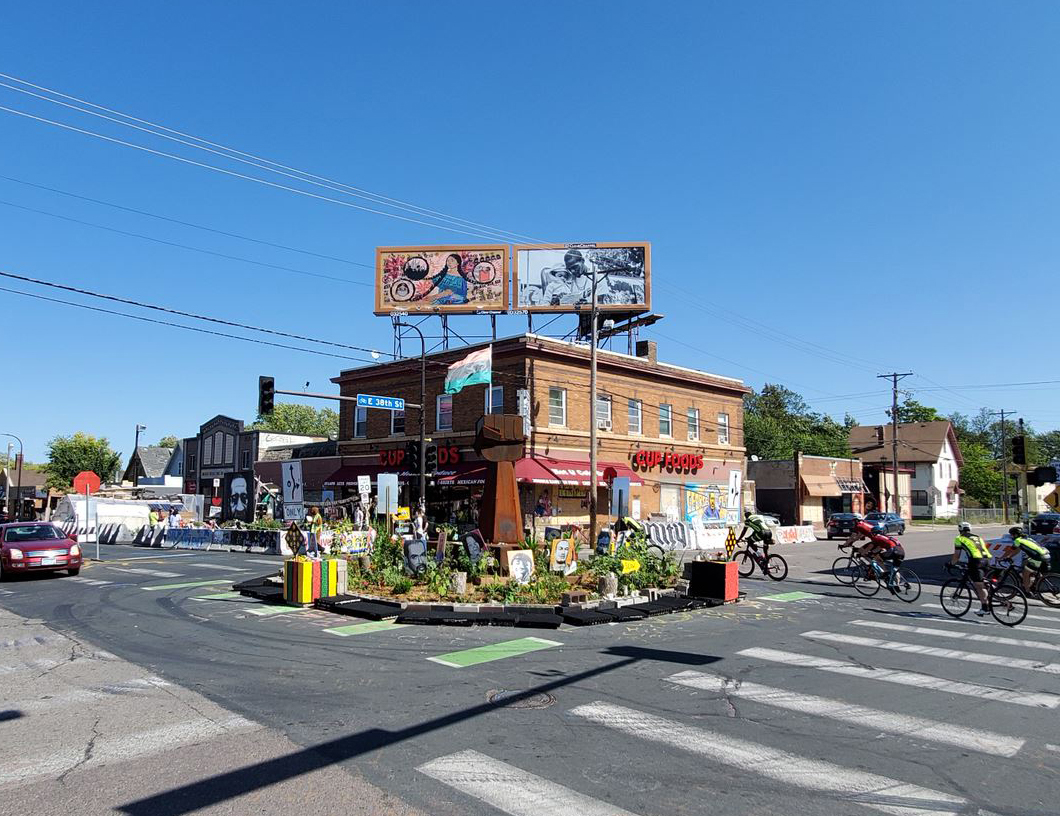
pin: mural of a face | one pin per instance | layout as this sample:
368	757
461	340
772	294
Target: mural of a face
238	498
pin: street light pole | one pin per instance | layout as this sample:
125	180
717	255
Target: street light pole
136	447
18	490
423	412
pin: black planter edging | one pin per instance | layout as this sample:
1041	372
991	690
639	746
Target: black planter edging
586	617
357	607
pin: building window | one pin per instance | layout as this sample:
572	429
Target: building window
635	414
191	463
360	423
920	498
444	415
603	411
218	448
245	455
397	423
693	424
207	450
666	420
494	400
723	429
557	407
230	444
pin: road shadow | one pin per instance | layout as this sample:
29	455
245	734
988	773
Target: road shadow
11	714
222	787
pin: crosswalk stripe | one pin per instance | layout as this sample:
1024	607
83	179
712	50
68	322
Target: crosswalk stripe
273	563
90	581
277	609
1045	630
903	725
217	567
1029	615
157	587
151	572
933	651
905	678
512	790
364	628
924	630
868	789
220	596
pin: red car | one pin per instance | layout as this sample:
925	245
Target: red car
36	547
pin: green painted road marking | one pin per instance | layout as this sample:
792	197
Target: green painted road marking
188	584
364	628
788	596
495	651
278	609
220	596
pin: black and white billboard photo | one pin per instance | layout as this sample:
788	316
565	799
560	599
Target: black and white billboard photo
559	278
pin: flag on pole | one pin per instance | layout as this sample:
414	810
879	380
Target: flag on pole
474	369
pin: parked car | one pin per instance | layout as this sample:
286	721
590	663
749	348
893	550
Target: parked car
1045	523
840	524
36	547
890	522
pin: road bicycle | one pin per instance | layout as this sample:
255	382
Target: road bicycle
848	567
1045	586
901	582
1007	603
772	565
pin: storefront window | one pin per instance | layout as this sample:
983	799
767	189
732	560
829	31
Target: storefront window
666	420
669	499
635	413
495	400
444	418
723	429
557	407
397	423
693	424
360	423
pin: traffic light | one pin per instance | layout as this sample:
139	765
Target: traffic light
266	395
431	462
412	456
1042	476
1019	450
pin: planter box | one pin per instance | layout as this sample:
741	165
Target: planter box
305	581
717	580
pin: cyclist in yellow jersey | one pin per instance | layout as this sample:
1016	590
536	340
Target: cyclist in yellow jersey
1035	556
978	557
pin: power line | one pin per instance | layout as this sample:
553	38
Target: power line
184	246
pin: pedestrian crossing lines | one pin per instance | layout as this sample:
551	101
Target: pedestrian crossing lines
81	579
144	571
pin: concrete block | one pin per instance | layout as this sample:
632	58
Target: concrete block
575	596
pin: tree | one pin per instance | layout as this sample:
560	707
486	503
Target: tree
980	475
777	423
294	418
69	455
168	442
912	411
1048	447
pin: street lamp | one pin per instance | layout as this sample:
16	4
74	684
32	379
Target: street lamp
136	447
423	412
18	490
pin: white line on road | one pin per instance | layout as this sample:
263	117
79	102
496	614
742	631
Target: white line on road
262	561
1045	630
217	567
932	651
1050	747
90	581
512	790
151	572
860	716
905	678
1029	616
858	786
149	557
924	630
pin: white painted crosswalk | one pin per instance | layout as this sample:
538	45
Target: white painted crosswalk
949	633
81	579
223	567
144	571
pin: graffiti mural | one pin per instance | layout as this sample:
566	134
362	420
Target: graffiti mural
559	278
238	504
441	279
708	505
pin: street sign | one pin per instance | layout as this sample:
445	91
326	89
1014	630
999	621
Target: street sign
293	511
291	476
1053	500
730	542
373	401
364	485
86	482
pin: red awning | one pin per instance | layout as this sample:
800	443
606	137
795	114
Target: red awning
546	470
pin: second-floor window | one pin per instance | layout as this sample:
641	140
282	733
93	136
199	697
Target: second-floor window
397	423
723	429
636	410
666	420
693	424
557	407
495	399
444	415
360	423
603	411
245	455
207	451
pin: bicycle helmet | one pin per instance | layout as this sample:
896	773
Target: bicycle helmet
1015	531
964	527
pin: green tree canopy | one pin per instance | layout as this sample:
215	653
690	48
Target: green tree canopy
168	442
980	476
69	455
912	411
778	422
294	418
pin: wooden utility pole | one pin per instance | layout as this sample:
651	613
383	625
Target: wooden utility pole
894	377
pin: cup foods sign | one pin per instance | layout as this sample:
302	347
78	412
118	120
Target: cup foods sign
667	460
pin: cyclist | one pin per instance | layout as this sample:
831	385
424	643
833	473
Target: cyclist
978	557
1035	557
761	530
882	547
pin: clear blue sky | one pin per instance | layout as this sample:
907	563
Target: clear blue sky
878	179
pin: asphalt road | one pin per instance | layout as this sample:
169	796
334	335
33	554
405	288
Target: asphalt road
140	689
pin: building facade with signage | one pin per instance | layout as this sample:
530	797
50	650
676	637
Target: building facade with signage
675	433
808	489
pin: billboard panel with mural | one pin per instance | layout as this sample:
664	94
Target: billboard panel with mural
558	278
441	279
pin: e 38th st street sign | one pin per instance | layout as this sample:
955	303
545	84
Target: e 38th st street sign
373	401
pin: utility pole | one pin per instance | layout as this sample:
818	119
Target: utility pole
16	511
1004	461
1021	479
592	414
423	412
894	377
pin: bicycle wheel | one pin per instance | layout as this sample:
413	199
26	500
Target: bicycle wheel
776	567
1048	589
746	563
866	582
905	585
1008	605
956	597
844	569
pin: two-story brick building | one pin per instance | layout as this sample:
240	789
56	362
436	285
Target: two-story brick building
675	432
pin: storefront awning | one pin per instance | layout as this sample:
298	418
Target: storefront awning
821	486
546	470
852	485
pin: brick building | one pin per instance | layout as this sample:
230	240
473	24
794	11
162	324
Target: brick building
675	432
808	489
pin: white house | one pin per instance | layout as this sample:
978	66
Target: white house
928	451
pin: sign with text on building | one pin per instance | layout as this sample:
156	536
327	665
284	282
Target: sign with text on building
374	401
667	460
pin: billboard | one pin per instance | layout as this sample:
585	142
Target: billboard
558	278
441	279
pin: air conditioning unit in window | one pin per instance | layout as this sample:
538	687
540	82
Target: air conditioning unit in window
693	436
603	424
